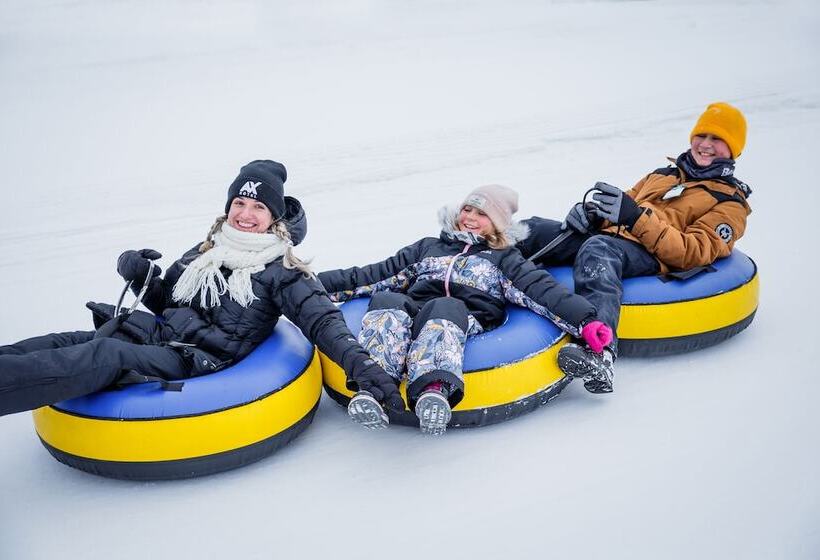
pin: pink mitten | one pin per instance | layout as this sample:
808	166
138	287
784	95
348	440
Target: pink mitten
597	335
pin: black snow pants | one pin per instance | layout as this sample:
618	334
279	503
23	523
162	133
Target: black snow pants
47	369
426	338
600	263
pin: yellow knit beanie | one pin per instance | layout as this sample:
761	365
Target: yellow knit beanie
726	122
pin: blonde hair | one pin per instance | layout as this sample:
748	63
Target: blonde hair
280	230
498	240
290	260
495	240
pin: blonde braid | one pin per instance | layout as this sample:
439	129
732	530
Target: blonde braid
208	244
290	260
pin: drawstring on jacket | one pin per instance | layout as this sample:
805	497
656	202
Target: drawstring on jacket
450	269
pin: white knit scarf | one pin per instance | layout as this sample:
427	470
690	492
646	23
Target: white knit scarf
242	252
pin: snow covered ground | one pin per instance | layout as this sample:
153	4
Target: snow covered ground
124	122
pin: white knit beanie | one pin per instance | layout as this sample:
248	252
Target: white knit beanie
497	201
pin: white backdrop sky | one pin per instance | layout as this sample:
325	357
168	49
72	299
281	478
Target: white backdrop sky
122	123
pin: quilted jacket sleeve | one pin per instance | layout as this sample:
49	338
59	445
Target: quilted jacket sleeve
305	303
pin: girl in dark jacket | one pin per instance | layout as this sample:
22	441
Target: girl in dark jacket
213	306
431	295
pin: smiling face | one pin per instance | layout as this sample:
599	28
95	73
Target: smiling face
706	148
475	221
247	214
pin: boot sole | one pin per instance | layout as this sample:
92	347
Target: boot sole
572	361
434	414
597	387
573	364
367	412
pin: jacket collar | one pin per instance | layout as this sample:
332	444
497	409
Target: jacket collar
447	216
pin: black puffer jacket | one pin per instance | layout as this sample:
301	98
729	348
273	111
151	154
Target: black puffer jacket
481	277
226	333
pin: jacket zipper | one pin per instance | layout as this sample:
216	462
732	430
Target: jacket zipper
450	269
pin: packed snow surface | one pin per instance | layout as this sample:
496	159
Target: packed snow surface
124	122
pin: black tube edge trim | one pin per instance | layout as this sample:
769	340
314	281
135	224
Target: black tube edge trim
652	347
186	468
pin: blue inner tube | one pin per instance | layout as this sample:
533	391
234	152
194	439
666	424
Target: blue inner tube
287	350
217	422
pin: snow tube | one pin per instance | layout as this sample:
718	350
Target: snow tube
512	369
662	316
217	422
508	371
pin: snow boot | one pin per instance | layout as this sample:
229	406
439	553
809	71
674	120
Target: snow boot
433	410
366	411
595	369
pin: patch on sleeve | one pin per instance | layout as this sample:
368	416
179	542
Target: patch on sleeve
725	232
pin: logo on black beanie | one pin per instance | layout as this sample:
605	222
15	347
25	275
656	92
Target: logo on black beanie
249	189
261	180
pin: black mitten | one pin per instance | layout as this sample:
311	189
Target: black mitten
582	218
615	206
133	265
373	379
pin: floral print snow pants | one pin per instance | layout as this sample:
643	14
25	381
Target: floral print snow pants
425	339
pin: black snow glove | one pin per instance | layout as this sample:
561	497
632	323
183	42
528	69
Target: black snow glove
581	218
373	379
615	206
133	265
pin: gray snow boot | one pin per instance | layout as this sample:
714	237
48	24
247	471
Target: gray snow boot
366	411
433	411
595	369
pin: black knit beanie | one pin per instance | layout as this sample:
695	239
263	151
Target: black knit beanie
262	180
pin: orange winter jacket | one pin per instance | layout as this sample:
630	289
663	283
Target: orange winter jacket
686	223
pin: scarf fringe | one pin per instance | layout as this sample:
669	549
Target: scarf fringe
241	252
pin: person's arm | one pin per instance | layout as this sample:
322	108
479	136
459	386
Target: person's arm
529	286
710	237
305	303
395	274
133	266
158	297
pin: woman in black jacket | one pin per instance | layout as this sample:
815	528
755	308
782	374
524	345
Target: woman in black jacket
432	294
213	306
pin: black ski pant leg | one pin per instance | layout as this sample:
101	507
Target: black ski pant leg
393	300
47	342
542	232
437	351
43	377
600	267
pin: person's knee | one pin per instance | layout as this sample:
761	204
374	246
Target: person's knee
109	349
392	300
449	308
598	245
599	258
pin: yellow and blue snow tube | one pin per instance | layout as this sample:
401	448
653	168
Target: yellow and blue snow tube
217	422
661	315
508	371
512	369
